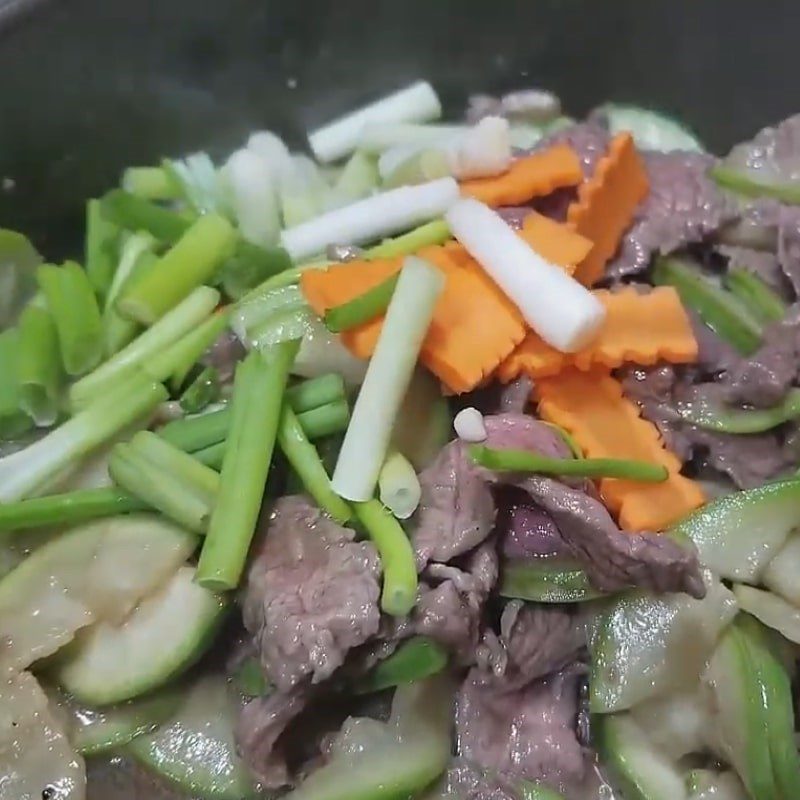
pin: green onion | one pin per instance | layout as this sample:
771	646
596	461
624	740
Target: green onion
546	580
39	370
102	241
250	679
189	349
196	180
251	266
399	486
196	433
18	262
397	558
303	191
13	420
72	303
28	471
387	379
414	660
718	308
435	232
714	417
748	185
151	183
315	392
569	440
305	461
152	351
325	420
358	179
761	300
201	392
508	460
211	456
137	214
414	167
69	508
255	413
363	308
266	318
191	262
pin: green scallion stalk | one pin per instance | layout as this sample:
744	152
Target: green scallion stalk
28	471
151	350
388	376
137	214
325	420
250	267
102	242
271	317
761	300
414	660
73	305
191	262
197	433
151	183
13	420
39	372
164	492
305	461
435	232
211	456
508	460
188	350
420	166
358	179
315	392
255	414
204	390
397	557
398	486
69	508
724	419
363	308
717	307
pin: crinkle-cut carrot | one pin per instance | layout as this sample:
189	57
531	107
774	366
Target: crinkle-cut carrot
554	241
606	204
530	176
640	328
474	325
605	424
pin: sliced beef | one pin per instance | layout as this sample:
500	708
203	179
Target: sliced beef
226	352
588	139
498	398
763	264
514	216
755	227
465	781
526	733
713	353
261	724
311	593
456	510
684	205
451	602
525	529
614	559
534	641
789	245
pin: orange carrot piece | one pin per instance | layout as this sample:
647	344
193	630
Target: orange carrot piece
530	176
555	242
638	328
474	325
591	406
606	204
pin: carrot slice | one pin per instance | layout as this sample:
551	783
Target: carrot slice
606	204
592	408
638	328
474	325
555	242
531	176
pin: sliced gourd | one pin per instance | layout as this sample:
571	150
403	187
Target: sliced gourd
706	784
546	580
770	610
94	572
781	574
165	634
36	759
194	749
414	660
650	129
643	771
739	534
676	724
646	646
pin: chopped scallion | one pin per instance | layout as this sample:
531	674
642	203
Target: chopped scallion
39	371
363	308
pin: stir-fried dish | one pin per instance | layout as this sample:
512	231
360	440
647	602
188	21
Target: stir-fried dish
451	461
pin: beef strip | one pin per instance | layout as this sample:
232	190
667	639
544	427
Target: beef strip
465	781
261	724
713	354
525	733
763	264
311	593
614	559
226	352
684	205
525	529
772	155
588	139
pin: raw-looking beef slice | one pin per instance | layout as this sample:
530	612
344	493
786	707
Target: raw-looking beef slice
311	593
614	559
588	139
527	733
683	206
261	723
465	781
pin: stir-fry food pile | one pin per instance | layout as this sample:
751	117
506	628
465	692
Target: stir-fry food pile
457	461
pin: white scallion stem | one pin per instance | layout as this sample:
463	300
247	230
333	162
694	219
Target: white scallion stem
469	425
254	196
483	151
380	136
415	103
372	218
385	384
564	313
398	485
